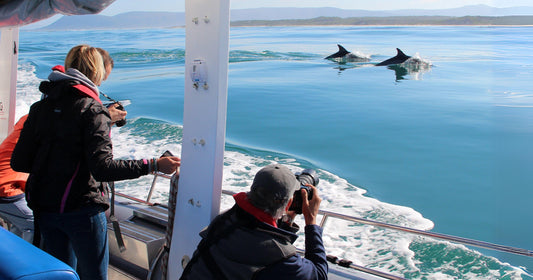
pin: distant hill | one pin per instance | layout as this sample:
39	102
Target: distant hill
307	13
132	20
136	20
394	20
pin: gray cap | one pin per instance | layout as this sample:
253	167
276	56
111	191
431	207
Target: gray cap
273	185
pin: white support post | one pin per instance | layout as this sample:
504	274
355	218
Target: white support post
9	40
204	126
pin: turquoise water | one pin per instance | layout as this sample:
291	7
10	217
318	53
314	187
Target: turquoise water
446	148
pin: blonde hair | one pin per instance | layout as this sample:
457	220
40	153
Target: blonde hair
88	61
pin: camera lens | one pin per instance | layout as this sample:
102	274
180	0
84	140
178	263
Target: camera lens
120	123
306	177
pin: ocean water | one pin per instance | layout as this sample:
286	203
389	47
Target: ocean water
445	145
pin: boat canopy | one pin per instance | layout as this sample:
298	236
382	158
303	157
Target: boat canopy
17	13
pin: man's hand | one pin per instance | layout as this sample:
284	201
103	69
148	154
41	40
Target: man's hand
310	207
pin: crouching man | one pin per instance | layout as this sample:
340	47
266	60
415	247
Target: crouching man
245	242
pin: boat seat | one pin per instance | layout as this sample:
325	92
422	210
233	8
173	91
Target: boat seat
22	261
156	214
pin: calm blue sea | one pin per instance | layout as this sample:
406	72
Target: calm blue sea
448	147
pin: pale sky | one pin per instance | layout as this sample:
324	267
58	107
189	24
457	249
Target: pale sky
122	6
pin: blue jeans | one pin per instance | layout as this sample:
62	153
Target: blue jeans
79	239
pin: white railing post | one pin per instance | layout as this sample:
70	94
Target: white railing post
9	40
204	126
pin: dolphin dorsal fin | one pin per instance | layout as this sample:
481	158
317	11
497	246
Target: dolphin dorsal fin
400	53
342	50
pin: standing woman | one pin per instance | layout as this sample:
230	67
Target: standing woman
66	148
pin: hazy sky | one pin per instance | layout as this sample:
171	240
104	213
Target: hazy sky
122	6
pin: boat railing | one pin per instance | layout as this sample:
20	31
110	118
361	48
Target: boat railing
461	240
326	215
148	199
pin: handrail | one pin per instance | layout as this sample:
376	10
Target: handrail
327	214
462	240
149	197
153	184
349	264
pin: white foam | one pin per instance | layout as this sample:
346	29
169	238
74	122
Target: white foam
382	249
27	89
417	66
361	244
127	145
338	196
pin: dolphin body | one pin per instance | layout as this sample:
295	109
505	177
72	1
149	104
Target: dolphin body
345	56
398	59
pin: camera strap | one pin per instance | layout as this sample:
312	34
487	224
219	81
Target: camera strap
107	96
114	220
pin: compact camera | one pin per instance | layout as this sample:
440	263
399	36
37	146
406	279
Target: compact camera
119	107
122	122
306	176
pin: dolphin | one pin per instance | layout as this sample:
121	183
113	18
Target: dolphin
398	59
414	66
345	56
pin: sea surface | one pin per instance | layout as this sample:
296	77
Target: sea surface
444	145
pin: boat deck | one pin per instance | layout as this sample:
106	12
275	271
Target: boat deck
114	273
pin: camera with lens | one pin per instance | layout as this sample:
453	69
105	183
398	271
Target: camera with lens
305	177
121	122
119	107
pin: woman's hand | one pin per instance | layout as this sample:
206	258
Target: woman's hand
116	114
168	165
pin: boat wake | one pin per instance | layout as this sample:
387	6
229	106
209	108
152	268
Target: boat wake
373	247
383	249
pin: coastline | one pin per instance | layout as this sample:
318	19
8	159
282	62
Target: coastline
508	21
288	25
396	21
385	25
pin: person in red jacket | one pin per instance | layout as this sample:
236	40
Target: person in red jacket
13	206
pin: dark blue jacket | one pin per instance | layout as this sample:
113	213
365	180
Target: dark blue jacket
313	266
236	245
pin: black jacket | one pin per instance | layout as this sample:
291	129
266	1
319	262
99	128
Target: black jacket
65	145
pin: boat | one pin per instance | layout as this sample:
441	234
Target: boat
155	241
